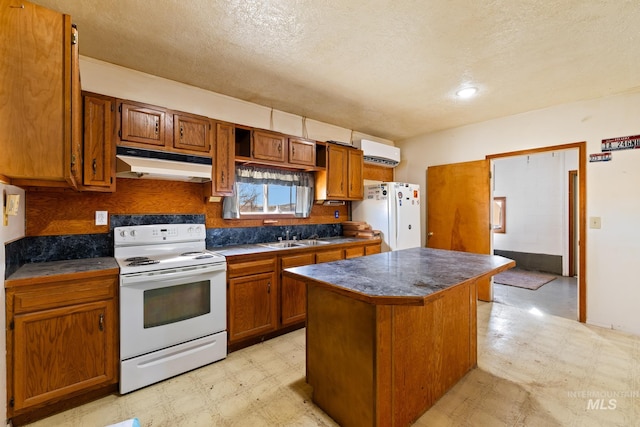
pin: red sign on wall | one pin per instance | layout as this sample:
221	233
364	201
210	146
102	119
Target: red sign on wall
621	143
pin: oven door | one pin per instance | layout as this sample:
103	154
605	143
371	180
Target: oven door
159	309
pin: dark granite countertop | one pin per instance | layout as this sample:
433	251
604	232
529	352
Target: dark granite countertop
407	276
257	248
39	270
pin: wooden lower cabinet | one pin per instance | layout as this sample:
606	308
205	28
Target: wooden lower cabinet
293	293
62	341
252	298
261	303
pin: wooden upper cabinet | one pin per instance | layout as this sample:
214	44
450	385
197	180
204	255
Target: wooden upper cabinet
342	178
98	171
223	160
269	146
191	133
337	172
302	152
37	80
355	165
142	125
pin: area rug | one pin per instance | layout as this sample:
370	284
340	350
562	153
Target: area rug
523	278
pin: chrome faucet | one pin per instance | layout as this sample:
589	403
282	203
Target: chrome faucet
313	237
287	232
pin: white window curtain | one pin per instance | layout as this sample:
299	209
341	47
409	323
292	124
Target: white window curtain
303	181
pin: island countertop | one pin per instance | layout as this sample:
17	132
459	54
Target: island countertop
405	277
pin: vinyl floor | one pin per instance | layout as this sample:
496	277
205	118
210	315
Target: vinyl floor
534	369
558	297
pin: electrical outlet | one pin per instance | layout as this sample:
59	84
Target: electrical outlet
595	222
101	217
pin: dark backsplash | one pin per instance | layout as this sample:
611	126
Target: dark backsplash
77	246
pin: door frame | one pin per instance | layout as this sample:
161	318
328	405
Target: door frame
582	212
573	174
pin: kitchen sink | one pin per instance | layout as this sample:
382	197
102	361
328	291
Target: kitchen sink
278	245
313	242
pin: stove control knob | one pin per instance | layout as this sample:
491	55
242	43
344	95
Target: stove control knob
133	233
124	233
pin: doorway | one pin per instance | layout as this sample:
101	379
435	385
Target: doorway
564	285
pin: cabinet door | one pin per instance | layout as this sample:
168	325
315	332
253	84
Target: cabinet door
191	133
302	152
252	305
223	157
329	255
356	182
268	146
293	293
36	82
142	125
61	351
336	171
98	155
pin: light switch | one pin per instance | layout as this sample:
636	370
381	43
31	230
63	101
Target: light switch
594	222
101	217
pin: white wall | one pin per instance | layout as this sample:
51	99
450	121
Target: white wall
613	288
536	189
13	231
108	79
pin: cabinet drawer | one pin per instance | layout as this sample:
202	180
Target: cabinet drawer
62	294
297	260
330	255
372	249
354	252
245	268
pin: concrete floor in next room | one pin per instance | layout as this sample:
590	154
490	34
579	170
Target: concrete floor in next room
558	297
533	370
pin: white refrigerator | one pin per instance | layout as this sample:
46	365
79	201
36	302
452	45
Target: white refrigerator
394	209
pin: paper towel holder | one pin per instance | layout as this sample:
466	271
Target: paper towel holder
11	204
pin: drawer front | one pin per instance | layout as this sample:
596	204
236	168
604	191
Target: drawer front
53	295
298	260
354	252
245	268
330	255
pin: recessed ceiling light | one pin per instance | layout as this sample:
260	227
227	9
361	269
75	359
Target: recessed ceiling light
467	92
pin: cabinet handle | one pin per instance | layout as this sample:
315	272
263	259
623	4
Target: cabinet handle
181	132
280	148
293	151
94	166
101	322
269	287
222	176
157	126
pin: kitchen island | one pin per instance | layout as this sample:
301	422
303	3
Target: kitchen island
389	334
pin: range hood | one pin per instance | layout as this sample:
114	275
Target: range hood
150	164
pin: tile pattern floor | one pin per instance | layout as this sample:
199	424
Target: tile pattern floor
558	297
533	370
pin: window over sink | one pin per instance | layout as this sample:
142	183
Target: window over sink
260	191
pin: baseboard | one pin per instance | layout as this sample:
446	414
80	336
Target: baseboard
537	262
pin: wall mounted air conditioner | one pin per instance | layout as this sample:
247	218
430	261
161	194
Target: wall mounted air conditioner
379	154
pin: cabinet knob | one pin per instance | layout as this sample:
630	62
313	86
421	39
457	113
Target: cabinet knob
279	148
269	287
94	166
101	322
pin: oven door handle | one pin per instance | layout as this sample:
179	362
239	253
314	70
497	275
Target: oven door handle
171	274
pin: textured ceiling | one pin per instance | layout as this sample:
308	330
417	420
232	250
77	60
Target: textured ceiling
386	68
